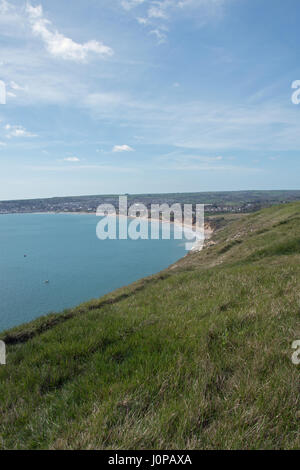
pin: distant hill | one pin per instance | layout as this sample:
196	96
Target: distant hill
195	357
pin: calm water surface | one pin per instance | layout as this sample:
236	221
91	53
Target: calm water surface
64	249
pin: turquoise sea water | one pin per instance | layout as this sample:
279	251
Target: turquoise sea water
64	249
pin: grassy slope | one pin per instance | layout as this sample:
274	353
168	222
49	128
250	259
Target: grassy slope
198	356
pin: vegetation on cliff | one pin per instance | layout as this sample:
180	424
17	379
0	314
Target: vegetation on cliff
197	356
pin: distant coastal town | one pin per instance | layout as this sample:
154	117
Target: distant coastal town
215	202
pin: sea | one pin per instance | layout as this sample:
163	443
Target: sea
50	262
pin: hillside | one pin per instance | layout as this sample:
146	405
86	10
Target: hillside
195	357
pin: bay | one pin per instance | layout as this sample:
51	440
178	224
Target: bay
64	250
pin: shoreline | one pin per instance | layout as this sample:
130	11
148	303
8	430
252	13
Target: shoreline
197	243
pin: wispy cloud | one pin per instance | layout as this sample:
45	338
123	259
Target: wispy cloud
205	125
122	148
17	131
160	35
157	13
71	159
129	4
142	20
59	45
178	161
16	86
11	94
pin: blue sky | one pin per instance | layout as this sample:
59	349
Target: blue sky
141	96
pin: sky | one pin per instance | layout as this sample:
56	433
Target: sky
148	96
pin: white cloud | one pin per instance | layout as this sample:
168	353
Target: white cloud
129	4
59	45
158	11
161	36
142	21
122	148
16	86
17	131
71	159
211	5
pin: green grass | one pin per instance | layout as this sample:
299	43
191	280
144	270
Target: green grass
196	357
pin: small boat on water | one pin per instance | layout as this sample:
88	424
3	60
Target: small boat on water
47	282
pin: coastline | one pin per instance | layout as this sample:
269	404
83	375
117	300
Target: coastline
196	245
121	263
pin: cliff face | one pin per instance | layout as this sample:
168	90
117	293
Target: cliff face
197	356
